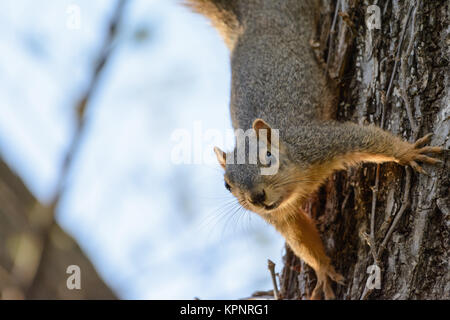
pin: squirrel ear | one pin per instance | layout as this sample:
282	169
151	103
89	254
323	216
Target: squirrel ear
221	157
259	124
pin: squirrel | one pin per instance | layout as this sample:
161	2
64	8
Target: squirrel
277	83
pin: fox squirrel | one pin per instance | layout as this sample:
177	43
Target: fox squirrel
278	84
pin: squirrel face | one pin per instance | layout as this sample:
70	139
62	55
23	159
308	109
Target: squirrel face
265	185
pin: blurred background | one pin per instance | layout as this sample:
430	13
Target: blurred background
91	96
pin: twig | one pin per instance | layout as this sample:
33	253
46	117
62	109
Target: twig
344	202
332	31
81	107
405	205
366	293
372	243
403	86
397	58
271	267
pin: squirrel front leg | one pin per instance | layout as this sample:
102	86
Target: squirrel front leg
339	145
303	238
321	149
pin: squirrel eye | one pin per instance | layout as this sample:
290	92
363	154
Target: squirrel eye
227	186
268	154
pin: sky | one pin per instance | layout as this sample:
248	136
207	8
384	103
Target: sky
154	228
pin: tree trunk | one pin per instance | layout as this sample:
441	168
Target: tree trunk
411	47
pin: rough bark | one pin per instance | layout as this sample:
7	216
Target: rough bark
16	272
415	263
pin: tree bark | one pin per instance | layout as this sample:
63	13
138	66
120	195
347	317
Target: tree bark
17	271
412	48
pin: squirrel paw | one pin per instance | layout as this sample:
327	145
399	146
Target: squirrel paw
415	152
324	284
336	277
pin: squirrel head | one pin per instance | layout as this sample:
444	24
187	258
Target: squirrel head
259	171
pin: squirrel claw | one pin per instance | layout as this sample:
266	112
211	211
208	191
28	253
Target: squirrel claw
416	152
424	140
418	168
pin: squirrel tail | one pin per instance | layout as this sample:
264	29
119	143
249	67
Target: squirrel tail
223	15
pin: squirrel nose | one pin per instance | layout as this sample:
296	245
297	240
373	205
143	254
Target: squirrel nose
258	197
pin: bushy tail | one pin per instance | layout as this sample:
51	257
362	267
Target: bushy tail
223	15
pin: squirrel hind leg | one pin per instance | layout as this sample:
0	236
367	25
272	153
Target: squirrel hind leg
328	290
335	276
318	289
322	288
332	275
323	285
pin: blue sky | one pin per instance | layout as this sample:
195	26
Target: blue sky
152	228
